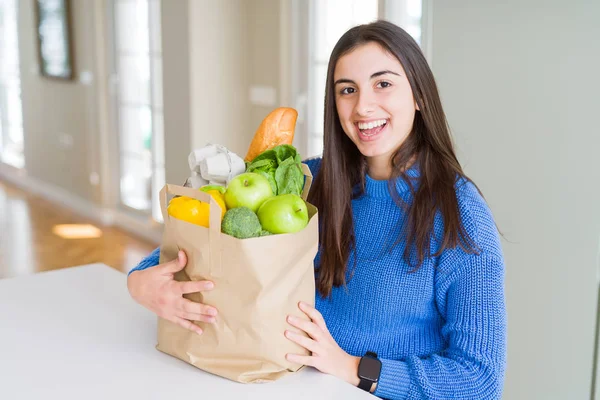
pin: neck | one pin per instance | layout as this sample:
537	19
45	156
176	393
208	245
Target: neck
380	168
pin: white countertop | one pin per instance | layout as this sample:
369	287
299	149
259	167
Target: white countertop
76	334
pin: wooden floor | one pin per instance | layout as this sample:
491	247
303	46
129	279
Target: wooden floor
28	243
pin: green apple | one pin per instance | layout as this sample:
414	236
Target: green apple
248	190
285	213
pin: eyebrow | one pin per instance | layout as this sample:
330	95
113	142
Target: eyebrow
374	75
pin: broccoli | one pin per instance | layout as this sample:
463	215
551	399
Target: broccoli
241	222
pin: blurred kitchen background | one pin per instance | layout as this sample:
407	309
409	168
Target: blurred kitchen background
101	101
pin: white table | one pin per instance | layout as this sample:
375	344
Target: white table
76	334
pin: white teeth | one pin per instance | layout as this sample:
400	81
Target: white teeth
371	125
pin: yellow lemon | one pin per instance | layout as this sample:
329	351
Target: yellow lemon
195	211
219	198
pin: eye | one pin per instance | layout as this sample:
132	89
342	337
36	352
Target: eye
347	90
384	84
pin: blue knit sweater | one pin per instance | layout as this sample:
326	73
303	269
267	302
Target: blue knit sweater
440	332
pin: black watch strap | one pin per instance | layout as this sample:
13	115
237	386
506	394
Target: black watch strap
366	384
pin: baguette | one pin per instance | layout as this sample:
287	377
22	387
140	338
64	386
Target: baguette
277	128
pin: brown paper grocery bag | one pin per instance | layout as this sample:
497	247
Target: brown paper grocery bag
258	282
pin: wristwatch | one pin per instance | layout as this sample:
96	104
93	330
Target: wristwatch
369	369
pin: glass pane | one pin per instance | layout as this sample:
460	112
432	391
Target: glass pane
3	100
12	149
158	137
11	116
315	145
334	17
157	78
364	11
155	26
134	79
14	114
131	17
319	25
136	181
135	129
14	139
8	19
158	181
414	30
318	101
414	9
9	67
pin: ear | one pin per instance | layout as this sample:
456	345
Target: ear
417	106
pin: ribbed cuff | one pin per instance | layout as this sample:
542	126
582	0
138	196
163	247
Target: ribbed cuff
394	380
150	261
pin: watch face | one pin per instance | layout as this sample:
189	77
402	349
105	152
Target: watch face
369	368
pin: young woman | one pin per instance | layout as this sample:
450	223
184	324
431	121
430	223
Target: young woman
410	271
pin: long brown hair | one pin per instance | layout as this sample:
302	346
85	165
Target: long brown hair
343	167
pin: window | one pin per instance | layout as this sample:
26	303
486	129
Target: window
11	112
328	20
139	108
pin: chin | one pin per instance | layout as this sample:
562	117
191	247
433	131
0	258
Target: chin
374	151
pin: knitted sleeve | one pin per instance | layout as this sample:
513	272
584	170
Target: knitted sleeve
472	365
150	261
469	294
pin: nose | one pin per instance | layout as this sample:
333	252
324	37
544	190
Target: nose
365	103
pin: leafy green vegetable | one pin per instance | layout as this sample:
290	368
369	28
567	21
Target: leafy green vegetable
289	177
263	164
284	151
281	166
266	155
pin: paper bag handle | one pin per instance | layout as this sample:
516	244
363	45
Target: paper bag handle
214	219
308	182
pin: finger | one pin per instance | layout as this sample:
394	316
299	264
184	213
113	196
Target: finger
307	326
303	341
195	286
302	360
189	306
187	324
314	315
177	264
197	317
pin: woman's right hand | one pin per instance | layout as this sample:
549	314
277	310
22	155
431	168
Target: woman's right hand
156	289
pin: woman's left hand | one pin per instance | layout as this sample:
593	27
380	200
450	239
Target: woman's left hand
326	356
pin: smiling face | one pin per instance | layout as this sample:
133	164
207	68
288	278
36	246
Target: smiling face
374	102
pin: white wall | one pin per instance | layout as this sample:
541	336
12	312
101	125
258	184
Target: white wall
59	117
219	74
520	84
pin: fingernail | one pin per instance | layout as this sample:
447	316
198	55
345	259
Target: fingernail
212	311
291	319
212	320
199	332
210	285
